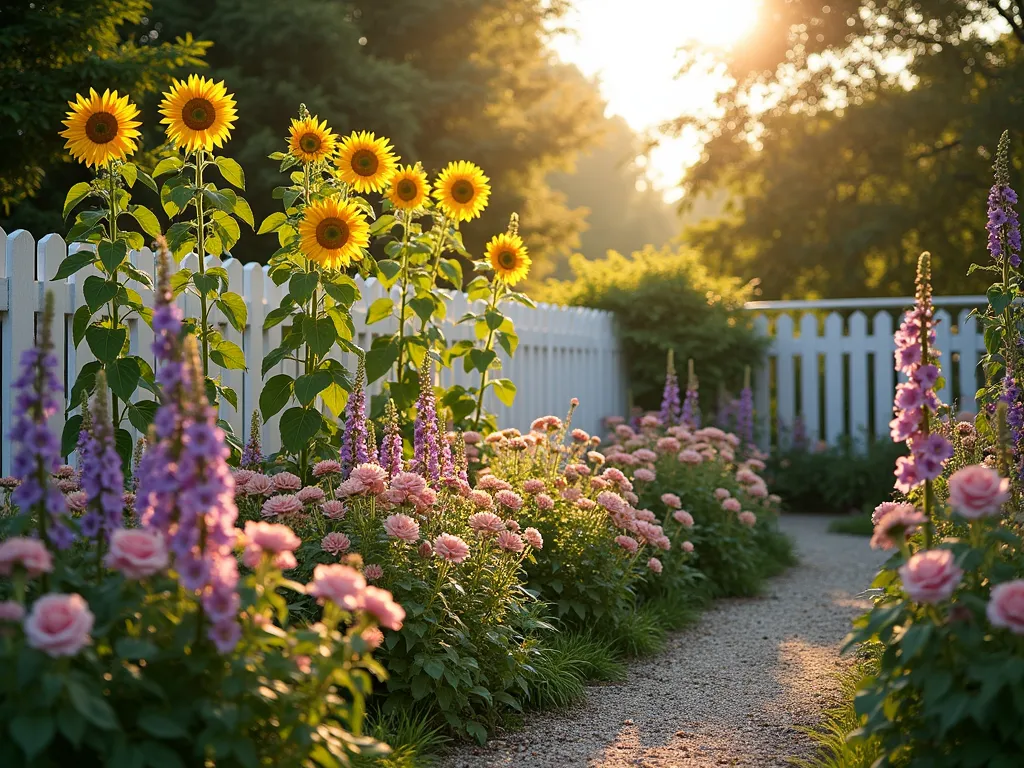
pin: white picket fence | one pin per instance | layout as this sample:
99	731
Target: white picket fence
833	367
564	352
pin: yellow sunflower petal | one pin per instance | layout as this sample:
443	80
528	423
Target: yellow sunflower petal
101	128
462	191
199	114
408	188
507	255
332	232
310	140
365	162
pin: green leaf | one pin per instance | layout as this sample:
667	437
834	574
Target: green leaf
387	272
106	343
452	271
379	310
342	289
478	288
221	199
301	286
319	334
508	341
277	316
91	705
159	725
504	390
147	220
205	283
231	171
434	668
309	385
147	180
233	307
141	414
382	225
997	299
299	426
69	437
379	361
98	291
73	263
159	755
123	377
168	165
175	198
134	648
494	319
482	358
272	223
129	173
112	254
275	395
423	306
228	355
244	212
33	733
76	194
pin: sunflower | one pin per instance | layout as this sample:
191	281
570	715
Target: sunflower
101	128
462	190
311	141
408	187
365	162
332	232
198	113
508	256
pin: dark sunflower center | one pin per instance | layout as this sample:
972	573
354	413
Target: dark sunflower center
332	233
406	190
198	114
310	143
463	191
507	259
365	162
101	128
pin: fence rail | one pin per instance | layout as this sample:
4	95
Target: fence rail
563	352
832	367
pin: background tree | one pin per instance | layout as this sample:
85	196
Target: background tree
857	133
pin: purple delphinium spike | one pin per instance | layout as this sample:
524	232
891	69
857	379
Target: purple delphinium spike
252	453
37	396
447	464
1013	396
916	399
1003	224
391	445
101	476
745	412
426	450
459	457
186	490
691	405
671	408
353	439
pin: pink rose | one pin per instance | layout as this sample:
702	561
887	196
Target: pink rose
532	537
59	625
137	552
371	477
486	523
978	491
451	548
930	576
335	543
722	494
687	546
259	485
627	543
492	483
748	519
896	525
683	517
287	504
29	554
1006	606
381	604
510	542
339	584
326	467
654	565
732	505
11	611
286	481
402	527
406	484
671	501
242	476
481	499
333	509
310	494
271	537
509	499
372	572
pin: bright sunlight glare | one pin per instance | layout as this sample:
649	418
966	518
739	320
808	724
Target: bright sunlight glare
631	45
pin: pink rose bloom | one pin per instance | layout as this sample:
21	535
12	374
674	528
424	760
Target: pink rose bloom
690	456
372	477
882	510
533	485
532	537
509	500
425	550
424	499
326	467
402	527
510	542
381	604
481	499
687	546
748	519
136	552
350	487
759	491
644	475
59	625
372	572
895	525
259	485
646	515
472	438
683	517
486	523
628	543
333	509
451	548
271	537
286	481
930	576
287	504
544	502
732	505
335	543
663	542
1006	606
242	476
407	484
26	553
671	501
340	584
11	611
492	483
668	445
646	455
978	491
611	501
654	565
76	500
310	494
372	636
722	494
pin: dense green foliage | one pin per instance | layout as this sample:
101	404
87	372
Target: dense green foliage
665	299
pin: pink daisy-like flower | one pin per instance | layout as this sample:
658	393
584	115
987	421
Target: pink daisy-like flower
509	500
585	504
286	504
687	546
571	494
628	543
451	548
333	509
611	501
510	542
533	485
532	537
595	457
76	500
631	497
748	519
311	494
259	485
690	456
335	543
683	517
544	502
654	565
512	525
242	476
732	505
671	501
668	445
286	481
402	527
326	467
722	494
486	523
646	515
373	572
644	475
481	499
580	436
492	483
371	477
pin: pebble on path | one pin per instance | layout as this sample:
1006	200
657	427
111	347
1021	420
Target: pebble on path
733	690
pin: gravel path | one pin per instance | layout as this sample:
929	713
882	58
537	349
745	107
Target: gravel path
731	690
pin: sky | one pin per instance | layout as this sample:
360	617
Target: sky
631	46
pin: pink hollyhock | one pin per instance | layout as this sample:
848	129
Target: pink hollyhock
451	548
683	517
906	474
930	576
509	500
671	501
544	502
748	519
137	552
381	604
510	542
287	504
373	572
1006	606
732	505
340	584
333	509
335	543
896	525
59	625
628	543
654	565
486	523
26	553
286	481
259	485
644	475
11	611
532	537
402	527
372	477
326	467
687	546
978	491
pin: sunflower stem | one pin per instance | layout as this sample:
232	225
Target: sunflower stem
483	373
113	276
436	257
405	289
204	336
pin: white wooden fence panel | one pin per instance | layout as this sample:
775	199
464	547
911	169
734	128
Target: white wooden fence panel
810	378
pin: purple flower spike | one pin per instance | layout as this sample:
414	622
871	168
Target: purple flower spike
426	448
353	440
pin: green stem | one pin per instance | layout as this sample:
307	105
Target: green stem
113	278
483	373
405	288
201	253
312	309
436	258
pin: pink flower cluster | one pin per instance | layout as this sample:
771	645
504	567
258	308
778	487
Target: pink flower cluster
347	588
